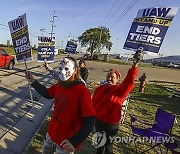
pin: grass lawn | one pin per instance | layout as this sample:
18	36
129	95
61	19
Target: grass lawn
11	51
142	105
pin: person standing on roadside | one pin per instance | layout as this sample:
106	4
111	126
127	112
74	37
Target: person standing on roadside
107	100
73	116
83	71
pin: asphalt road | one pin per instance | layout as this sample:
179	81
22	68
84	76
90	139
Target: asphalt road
97	71
18	114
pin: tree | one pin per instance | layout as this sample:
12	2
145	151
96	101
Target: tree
95	39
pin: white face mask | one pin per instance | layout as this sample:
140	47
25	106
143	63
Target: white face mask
66	69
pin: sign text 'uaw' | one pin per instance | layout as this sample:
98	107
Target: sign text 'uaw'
20	38
149	28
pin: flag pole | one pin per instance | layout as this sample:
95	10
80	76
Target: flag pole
29	85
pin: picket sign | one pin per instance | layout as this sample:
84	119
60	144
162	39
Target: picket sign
149	28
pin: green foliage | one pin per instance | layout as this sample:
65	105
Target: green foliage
96	39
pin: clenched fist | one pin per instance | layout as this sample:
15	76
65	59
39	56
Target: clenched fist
29	77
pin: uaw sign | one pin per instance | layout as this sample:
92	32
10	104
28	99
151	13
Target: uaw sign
149	28
20	38
71	46
46	49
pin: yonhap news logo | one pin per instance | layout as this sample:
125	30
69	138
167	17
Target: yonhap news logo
99	139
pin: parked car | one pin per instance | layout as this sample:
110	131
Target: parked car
6	60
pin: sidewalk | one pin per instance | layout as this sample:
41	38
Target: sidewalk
19	126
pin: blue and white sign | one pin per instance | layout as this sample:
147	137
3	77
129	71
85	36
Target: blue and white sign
46	49
45	53
20	38
71	46
149	28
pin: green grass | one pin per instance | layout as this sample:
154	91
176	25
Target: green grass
142	105
11	51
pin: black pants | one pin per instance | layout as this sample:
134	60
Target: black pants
110	130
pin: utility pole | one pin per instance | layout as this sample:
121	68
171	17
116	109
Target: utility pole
69	35
52	27
58	44
42	31
62	45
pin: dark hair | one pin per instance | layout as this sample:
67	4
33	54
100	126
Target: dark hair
82	61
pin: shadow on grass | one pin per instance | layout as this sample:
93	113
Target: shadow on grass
157	96
144	107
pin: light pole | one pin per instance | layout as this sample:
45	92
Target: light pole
42	31
52	27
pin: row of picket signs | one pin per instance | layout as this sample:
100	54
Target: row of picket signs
46	45
147	32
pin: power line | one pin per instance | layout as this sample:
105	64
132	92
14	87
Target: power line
121	16
32	11
109	11
4	25
42	31
4	19
57	17
4	28
115	11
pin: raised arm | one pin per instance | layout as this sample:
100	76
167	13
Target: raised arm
53	72
128	83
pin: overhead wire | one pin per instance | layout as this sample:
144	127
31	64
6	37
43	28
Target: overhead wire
109	11
4	28
30	31
32	11
56	18
4	25
34	8
115	12
128	8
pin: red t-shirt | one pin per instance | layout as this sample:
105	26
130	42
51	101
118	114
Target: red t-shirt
107	100
71	105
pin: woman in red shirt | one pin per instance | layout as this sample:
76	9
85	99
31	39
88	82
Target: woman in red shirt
107	100
73	116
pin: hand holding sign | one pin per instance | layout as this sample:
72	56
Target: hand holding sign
46	65
29	76
138	56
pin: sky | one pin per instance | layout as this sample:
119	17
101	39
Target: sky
73	17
